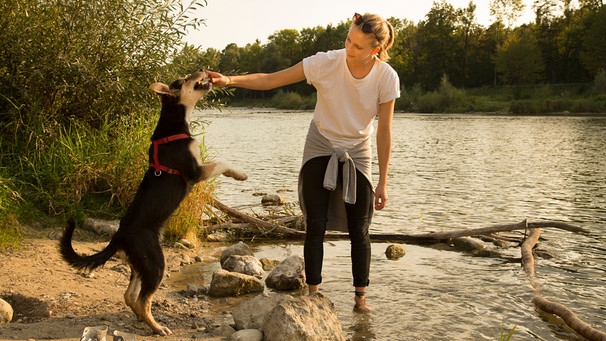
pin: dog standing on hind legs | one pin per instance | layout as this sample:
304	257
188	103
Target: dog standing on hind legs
175	167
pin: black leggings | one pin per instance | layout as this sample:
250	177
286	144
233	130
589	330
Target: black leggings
359	216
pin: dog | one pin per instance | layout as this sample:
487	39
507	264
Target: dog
175	167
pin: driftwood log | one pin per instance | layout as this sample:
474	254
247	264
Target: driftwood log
570	318
533	230
264	226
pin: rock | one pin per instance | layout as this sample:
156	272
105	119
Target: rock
194	290
248	265
188	244
288	275
102	226
227	284
185	260
268	264
224	331
273	200
218	237
467	244
6	312
247	335
250	313
240	249
97	333
122	336
394	252
178	245
312	317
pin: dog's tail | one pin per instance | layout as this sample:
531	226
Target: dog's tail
83	262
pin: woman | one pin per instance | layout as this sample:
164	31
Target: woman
353	85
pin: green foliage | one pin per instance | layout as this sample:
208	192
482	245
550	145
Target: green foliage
86	168
187	222
446	99
557	105
10	232
291	100
519	58
82	59
599	83
593	54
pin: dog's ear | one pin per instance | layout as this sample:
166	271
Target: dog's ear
160	88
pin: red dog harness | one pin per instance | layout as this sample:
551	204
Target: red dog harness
156	164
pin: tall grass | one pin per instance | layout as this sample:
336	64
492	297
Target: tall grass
81	167
188	221
10	233
84	171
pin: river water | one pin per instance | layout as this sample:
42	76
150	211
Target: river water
448	172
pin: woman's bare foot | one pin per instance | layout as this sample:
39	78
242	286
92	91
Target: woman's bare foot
360	299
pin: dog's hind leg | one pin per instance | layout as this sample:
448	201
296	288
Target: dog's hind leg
148	266
132	292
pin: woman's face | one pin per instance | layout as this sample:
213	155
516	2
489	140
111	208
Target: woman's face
359	45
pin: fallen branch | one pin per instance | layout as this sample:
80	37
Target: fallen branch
527	257
540	302
569	318
265	226
432	237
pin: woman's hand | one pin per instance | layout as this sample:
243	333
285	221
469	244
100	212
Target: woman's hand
380	197
218	80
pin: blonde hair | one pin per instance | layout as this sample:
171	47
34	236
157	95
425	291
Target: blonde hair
382	29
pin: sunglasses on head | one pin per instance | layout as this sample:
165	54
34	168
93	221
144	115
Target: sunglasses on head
359	21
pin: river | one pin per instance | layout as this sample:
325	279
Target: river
448	172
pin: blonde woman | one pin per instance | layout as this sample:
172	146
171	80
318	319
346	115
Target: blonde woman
354	85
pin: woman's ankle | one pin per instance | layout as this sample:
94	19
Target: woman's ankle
360	300
313	288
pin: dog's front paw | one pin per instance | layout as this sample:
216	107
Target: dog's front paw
235	174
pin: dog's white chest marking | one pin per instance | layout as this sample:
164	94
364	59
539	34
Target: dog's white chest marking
194	149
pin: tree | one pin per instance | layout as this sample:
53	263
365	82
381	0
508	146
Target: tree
594	47
518	59
287	41
437	44
54	52
190	59
404	53
230	58
506	11
467	28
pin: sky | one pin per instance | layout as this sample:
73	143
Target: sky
244	21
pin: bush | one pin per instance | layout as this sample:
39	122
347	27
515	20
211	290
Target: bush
291	100
599	83
65	58
446	99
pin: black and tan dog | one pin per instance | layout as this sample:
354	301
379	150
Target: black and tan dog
175	167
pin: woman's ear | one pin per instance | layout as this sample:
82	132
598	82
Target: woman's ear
376	50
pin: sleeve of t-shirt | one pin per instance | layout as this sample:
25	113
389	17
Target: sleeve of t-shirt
389	88
310	67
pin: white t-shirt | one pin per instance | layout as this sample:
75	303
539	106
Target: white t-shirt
346	106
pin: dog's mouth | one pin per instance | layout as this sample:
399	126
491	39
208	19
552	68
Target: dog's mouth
203	84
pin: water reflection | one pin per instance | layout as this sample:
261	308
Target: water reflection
447	172
361	328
